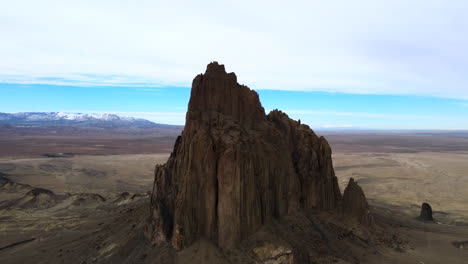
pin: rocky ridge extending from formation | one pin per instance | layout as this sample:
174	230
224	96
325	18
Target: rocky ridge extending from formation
234	168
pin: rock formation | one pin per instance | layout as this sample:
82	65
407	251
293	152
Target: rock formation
3	179
234	168
37	198
8	185
40	198
126	197
426	212
354	205
84	199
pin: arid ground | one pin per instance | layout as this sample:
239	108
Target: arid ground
100	184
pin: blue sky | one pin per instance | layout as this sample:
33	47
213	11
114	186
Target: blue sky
318	109
364	63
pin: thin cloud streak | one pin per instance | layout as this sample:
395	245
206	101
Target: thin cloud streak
369	115
349	46
85	80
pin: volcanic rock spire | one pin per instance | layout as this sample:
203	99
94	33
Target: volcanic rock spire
426	212
234	168
354	204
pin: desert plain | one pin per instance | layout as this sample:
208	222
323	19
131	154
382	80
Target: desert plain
100	186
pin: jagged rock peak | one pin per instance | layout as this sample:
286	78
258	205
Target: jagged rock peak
235	168
215	68
218	93
354	205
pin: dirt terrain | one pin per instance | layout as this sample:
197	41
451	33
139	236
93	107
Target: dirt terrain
103	174
72	224
70	141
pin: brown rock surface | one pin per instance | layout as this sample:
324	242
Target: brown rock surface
354	204
234	168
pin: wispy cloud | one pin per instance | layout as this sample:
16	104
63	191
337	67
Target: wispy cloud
354	47
87	80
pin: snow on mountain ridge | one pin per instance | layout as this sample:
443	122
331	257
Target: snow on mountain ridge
50	116
68	118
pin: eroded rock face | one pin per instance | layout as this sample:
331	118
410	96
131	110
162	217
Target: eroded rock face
234	168
354	204
426	212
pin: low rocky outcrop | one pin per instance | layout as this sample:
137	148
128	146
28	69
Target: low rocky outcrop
37	198
10	186
87	199
127	197
274	254
41	198
235	168
354	205
426	212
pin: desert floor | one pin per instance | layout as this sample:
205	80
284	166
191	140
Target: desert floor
397	172
103	174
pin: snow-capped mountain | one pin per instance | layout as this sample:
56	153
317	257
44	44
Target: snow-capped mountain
74	119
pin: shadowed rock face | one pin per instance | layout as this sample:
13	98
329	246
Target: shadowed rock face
354	205
426	212
234	168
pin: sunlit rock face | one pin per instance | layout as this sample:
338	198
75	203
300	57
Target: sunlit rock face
234	167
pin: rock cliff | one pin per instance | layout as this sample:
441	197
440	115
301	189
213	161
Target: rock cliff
235	168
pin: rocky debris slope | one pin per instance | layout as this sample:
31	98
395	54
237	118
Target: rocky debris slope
127	197
234	168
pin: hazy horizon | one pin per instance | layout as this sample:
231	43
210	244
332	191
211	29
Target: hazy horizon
320	110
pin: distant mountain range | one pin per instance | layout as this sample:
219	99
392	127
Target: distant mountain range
40	119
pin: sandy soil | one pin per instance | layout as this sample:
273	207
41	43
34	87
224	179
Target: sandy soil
106	175
39	141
